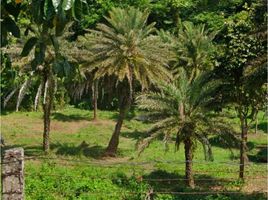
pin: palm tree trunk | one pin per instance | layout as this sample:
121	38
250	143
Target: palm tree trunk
243	146
181	111
111	150
256	124
189	163
125	104
95	99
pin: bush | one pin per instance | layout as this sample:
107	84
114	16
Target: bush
262	155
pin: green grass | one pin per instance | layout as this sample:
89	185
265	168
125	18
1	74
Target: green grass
68	172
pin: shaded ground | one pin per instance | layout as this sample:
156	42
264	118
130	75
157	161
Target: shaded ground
84	149
263	127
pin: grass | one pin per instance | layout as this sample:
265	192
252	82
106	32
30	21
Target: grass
74	169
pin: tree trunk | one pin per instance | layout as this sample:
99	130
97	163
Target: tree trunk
189	163
95	99
243	146
256	124
111	150
47	109
47	105
125	104
181	111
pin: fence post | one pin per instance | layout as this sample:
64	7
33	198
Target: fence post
13	174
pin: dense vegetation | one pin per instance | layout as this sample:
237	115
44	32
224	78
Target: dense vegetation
192	72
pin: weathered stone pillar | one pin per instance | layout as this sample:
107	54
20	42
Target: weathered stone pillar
13	174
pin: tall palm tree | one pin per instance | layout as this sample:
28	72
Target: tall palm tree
181	108
127	49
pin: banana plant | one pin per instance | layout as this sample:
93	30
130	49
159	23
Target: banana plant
10	11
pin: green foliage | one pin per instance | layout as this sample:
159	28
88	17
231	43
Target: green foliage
242	63
28	46
61	98
47	21
126	45
9	14
214	21
8	75
223	16
127	49
44	184
262	155
193	49
14	83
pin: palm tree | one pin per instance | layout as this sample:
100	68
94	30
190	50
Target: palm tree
181	108
83	82
127	49
95	99
193	48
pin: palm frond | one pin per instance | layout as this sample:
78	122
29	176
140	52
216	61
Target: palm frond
45	91
38	96
143	144
203	139
164	109
9	96
126	48
193	48
22	92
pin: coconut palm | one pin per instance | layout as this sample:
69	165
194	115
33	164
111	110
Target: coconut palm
126	48
181	108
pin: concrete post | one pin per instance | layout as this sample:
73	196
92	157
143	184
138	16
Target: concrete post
13	174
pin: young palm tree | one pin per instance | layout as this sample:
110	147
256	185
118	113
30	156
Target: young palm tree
126	48
181	108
